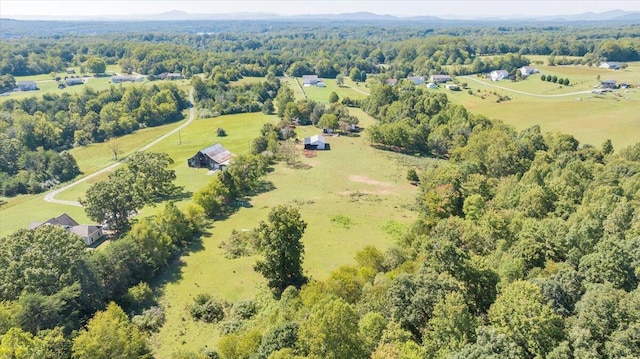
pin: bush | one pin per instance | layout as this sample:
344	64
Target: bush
137	297
244	309
150	320
239	244
230	326
220	132
207	309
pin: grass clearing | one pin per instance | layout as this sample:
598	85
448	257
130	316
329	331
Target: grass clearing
321	94
346	196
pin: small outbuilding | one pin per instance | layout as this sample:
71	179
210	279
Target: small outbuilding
498	75
608	84
440	78
527	70
215	157
611	65
417	80
71	81
121	78
310	80
315	142
27	85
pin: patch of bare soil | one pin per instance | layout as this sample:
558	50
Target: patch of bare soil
367	180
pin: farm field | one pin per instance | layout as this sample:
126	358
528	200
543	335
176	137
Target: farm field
364	187
590	118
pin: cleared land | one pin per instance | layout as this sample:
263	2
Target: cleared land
321	94
590	118
352	181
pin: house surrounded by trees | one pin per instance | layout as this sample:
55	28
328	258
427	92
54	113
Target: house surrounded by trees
89	233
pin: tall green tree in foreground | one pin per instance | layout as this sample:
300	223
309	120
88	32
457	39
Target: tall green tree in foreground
283	251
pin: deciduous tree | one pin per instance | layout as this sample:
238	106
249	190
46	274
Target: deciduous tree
280	242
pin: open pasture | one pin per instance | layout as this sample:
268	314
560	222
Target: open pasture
365	187
571	109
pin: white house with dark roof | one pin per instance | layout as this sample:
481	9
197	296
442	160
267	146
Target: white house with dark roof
214	157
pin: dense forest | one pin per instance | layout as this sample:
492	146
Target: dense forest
527	245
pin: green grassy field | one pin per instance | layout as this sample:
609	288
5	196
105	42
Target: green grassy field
321	94
298	94
352	180
591	119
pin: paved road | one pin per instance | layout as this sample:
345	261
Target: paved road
51	196
526	93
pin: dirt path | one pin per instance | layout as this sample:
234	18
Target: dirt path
526	93
51	196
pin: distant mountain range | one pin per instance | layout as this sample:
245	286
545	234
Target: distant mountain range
178	15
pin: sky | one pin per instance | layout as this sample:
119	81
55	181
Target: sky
450	8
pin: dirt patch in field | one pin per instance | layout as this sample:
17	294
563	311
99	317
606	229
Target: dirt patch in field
378	188
367	180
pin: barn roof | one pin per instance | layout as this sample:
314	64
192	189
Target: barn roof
217	153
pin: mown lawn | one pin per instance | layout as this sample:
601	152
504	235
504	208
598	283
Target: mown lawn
352	181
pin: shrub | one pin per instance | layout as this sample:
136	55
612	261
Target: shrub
220	132
150	320
239	244
230	326
244	309
138	297
207	309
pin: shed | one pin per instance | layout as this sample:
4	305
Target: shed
27	85
309	80
71	81
315	142
440	78
498	75
417	80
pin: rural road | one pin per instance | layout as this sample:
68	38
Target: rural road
51	196
526	93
